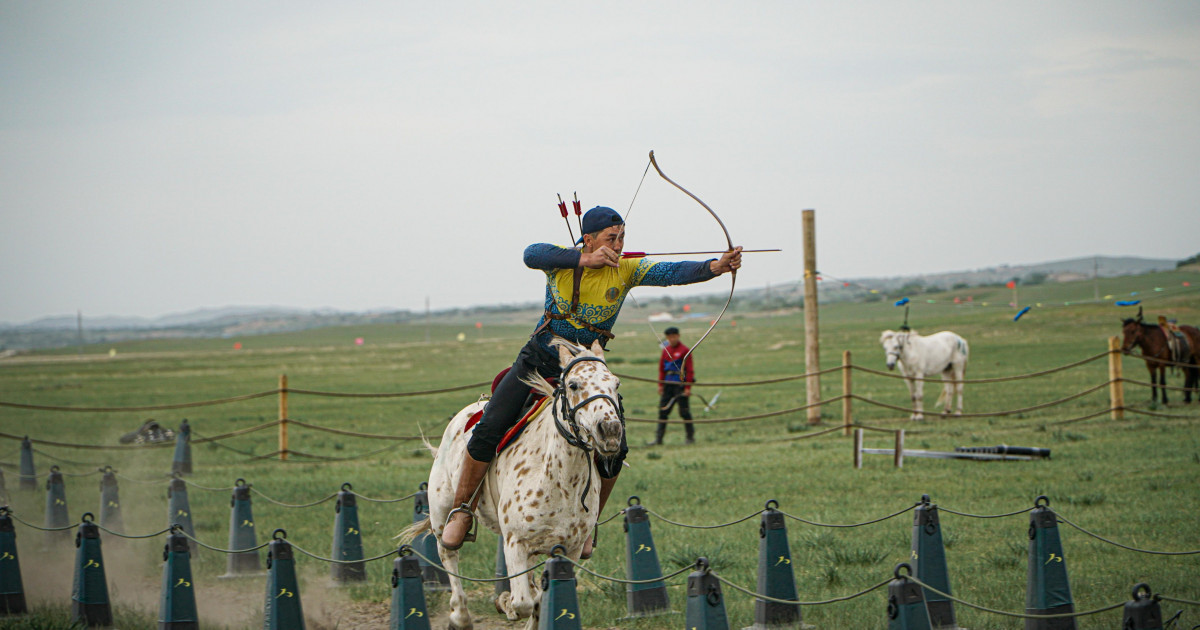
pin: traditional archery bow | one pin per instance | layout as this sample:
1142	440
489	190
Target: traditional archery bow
728	241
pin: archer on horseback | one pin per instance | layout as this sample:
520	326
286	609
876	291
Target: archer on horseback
585	289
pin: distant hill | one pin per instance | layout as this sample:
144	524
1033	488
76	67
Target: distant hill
231	321
1056	271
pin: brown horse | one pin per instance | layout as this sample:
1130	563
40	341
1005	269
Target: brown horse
1153	342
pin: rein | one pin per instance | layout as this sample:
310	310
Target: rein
563	411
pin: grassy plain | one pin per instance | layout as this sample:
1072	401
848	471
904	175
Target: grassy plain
1132	480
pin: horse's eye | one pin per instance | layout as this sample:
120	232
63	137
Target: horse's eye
574	387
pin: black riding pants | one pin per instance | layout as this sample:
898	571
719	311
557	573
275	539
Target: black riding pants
504	408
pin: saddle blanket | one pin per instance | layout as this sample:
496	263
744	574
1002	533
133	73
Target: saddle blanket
536	402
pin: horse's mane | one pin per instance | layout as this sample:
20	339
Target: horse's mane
537	381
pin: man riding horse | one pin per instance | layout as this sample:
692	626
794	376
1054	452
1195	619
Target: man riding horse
585	288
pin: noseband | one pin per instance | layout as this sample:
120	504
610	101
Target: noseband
563	410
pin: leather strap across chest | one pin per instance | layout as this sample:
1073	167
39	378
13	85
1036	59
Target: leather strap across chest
570	314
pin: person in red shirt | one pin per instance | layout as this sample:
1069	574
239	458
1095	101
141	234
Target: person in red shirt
676	386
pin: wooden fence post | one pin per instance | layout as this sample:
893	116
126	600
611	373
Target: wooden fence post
812	337
898	455
847	421
858	437
1116	389
283	417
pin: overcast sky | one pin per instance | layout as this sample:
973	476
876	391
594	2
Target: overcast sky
158	157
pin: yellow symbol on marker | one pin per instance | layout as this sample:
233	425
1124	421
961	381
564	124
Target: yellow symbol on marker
181	513
564	613
8	556
91	563
414	611
184	583
914	554
351	530
642	547
59	502
1053	558
247	523
113	504
783	560
284	591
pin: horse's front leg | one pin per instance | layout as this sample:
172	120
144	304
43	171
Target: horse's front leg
525	591
918	394
1162	384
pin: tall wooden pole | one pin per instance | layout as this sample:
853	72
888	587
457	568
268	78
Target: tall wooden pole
847	418
812	343
1116	390
283	415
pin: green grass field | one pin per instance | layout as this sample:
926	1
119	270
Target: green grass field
1132	480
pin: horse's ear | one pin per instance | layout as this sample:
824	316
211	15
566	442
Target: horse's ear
564	355
887	334
597	349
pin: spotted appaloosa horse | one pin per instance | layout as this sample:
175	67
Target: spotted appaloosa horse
918	357
541	491
1153	342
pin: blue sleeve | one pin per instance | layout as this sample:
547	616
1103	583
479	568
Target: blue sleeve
547	257
665	274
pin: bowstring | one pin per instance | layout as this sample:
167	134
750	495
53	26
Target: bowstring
662	342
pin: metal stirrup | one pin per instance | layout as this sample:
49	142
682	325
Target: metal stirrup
466	509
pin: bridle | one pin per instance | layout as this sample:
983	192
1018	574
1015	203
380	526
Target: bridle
563	410
1134	338
901	341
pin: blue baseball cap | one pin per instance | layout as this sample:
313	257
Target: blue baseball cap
597	219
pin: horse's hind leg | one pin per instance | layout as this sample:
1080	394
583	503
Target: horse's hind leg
1191	376
460	617
947	391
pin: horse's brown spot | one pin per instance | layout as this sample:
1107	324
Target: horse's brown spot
506	519
540	492
552	514
534	504
529	519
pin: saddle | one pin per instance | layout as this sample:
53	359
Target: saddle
1177	342
534	403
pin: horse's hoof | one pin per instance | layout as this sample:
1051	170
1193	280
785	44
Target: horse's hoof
452	626
502	602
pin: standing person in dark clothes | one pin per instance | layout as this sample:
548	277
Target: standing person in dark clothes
678	386
585	288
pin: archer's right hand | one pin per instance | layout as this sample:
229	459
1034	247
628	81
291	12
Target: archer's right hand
602	257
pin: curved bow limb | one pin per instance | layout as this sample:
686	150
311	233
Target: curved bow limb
728	241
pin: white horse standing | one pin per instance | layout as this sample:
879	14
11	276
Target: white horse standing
543	490
918	357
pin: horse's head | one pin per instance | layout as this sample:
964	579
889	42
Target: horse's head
1131	330
893	344
592	403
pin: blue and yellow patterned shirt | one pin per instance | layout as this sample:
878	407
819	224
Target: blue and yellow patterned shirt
601	291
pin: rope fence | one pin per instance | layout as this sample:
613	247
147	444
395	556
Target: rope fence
1114	384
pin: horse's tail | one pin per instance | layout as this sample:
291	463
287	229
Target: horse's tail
410	533
433	450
